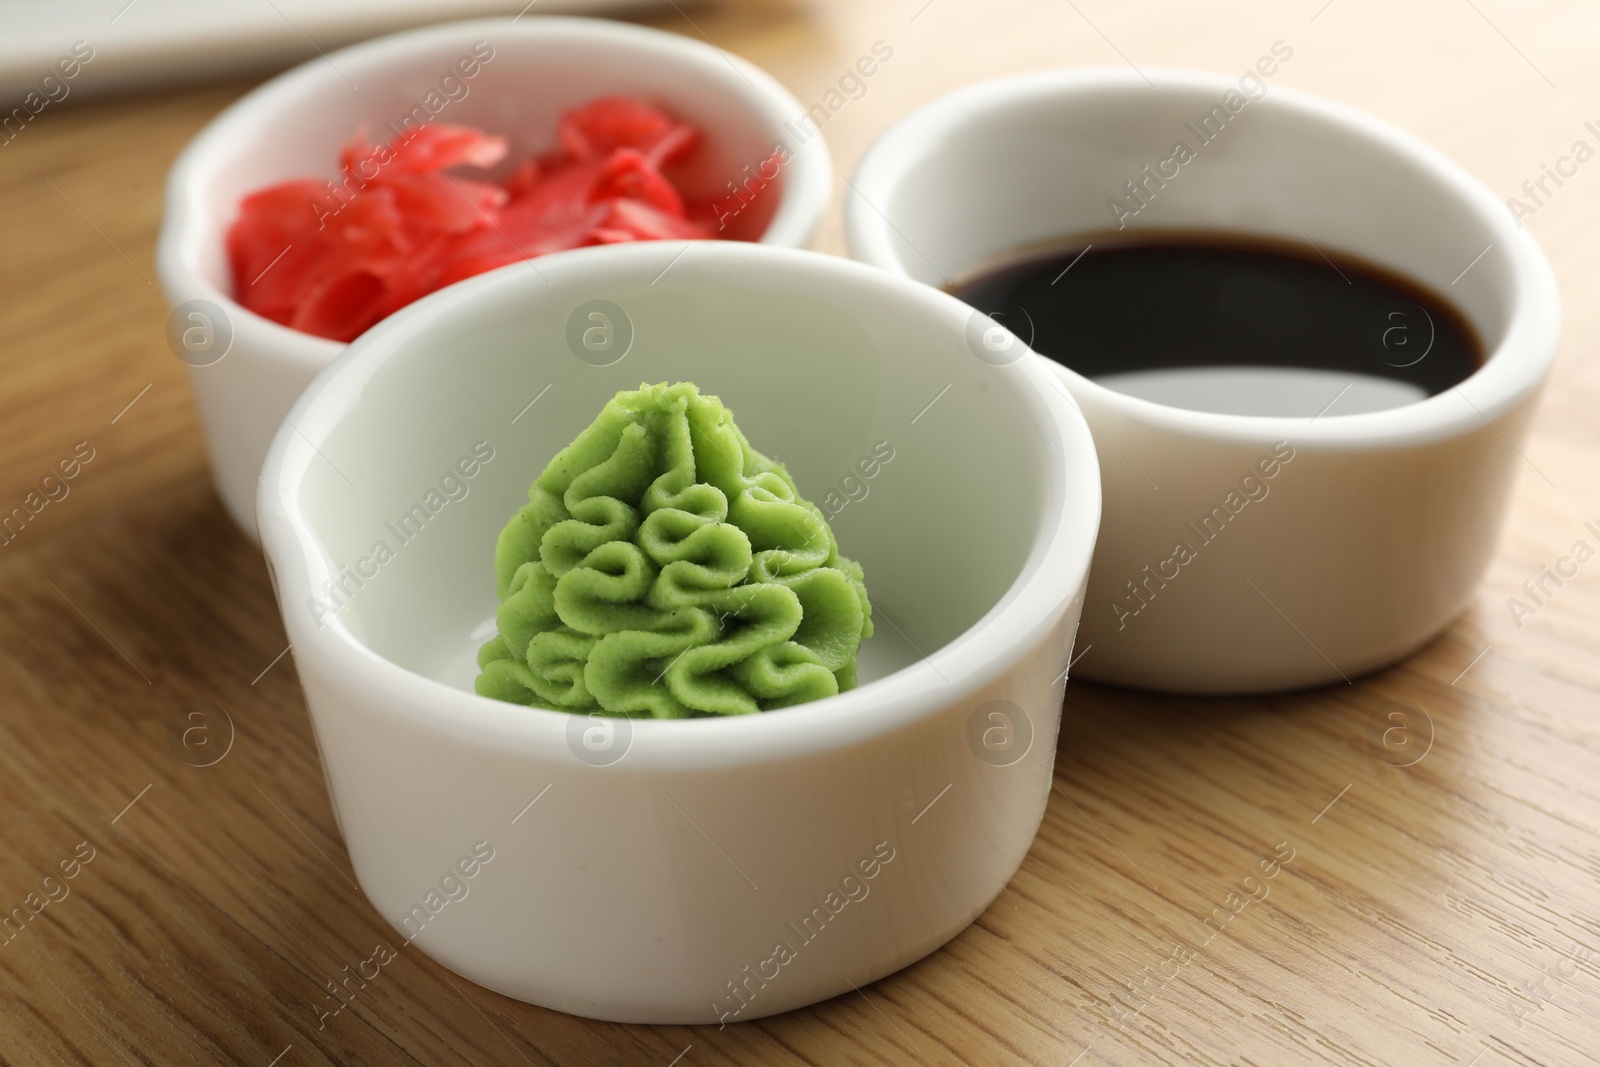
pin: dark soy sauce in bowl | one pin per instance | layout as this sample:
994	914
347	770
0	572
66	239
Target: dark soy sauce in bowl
1231	324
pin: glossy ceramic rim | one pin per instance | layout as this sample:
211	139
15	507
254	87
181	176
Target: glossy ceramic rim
1056	565
807	187
1515	368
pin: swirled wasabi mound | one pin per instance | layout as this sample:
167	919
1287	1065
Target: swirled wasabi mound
662	567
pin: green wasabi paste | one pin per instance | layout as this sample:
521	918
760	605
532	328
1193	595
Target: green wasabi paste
662	567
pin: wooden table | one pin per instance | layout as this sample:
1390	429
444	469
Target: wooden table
1442	913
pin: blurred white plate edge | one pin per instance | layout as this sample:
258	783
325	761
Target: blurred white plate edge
148	43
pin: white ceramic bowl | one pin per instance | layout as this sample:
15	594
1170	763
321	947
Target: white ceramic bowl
1371	539
294	125
663	858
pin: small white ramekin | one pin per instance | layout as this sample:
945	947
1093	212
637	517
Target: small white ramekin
247	371
1371	539
649	871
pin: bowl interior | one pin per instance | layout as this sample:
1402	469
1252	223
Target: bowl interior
943	477
524	79
1280	165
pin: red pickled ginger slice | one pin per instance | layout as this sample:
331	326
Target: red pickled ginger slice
334	258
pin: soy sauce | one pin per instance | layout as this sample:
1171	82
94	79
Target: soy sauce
1232	323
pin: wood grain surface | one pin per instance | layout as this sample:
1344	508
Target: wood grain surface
1446	912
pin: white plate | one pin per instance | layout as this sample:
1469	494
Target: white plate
148	42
